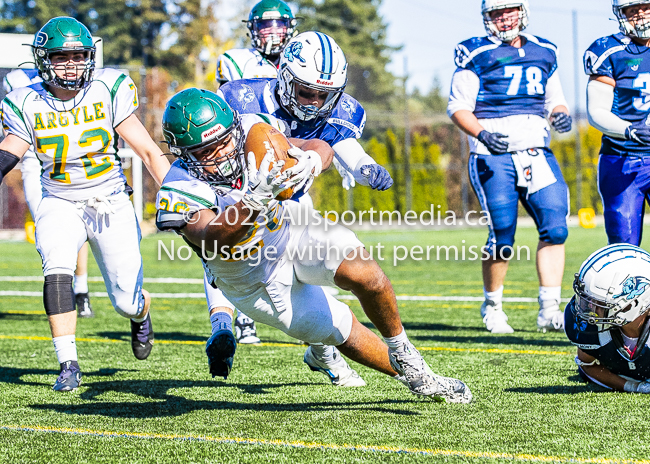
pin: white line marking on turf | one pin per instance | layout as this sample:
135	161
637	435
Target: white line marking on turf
340	297
147	280
321	446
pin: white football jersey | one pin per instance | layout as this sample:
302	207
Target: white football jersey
75	140
181	192
243	63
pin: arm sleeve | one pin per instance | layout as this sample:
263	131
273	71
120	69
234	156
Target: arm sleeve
13	121
554	94
600	97
351	156
125	101
465	86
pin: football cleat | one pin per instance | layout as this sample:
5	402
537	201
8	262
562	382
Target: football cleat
83	305
220	348
245	330
142	338
70	377
338	372
420	379
550	317
494	318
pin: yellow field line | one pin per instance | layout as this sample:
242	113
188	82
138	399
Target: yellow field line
326	446
196	342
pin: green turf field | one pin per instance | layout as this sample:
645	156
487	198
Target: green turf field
529	405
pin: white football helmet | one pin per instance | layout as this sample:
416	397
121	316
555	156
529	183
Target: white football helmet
613	286
640	29
312	60
489	6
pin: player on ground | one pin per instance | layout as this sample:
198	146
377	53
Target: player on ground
608	318
30	168
505	86
271	25
73	119
223	193
618	104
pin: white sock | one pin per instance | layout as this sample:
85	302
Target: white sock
551	295
496	296
80	284
65	348
397	341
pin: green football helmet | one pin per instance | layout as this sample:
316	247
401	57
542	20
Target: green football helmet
197	122
64	34
271	25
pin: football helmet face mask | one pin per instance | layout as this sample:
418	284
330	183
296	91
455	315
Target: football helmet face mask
271	25
511	33
64	34
314	63
612	287
636	26
207	135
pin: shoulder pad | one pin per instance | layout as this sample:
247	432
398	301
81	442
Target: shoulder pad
466	51
602	49
181	191
579	332
349	113
109	76
541	42
240	54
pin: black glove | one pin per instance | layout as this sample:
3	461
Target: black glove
639	133
561	122
7	162
378	177
494	142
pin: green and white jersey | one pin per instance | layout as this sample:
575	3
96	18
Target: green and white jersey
243	63
244	264
74	140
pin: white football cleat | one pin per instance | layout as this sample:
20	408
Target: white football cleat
416	374
495	319
550	317
338	372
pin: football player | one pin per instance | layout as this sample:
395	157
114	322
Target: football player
618	103
608	320
30	169
271	25
273	270
308	95
504	89
73	119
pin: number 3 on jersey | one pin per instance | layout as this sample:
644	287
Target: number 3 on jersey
60	144
534	78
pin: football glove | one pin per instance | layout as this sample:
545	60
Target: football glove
265	184
493	142
309	166
638	132
378	177
633	386
561	122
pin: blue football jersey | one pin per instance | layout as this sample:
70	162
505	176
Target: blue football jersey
619	58
606	347
513	80
258	96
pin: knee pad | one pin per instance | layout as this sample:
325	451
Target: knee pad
58	297
555	235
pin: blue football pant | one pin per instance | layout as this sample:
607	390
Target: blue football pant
624	186
494	179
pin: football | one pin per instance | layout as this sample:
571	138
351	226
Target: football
264	138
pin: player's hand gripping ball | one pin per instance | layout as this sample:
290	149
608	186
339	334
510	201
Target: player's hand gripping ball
263	139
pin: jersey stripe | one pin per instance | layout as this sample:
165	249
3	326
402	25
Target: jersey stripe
620	247
196	198
116	86
241	74
606	55
265	118
18	113
327	56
